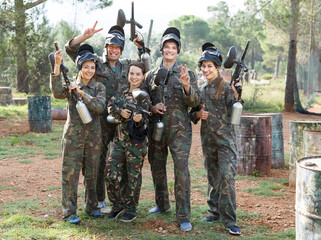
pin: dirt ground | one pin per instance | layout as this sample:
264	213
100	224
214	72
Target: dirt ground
31	181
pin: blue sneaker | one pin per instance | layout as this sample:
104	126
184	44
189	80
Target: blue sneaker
211	219
186	226
156	210
74	220
97	215
234	230
104	207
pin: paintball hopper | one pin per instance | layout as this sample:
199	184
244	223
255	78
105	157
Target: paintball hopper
161	76
139	95
121	19
230	58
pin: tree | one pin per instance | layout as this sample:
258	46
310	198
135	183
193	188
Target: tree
17	11
193	31
291	70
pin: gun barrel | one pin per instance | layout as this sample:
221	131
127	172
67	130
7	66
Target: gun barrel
245	50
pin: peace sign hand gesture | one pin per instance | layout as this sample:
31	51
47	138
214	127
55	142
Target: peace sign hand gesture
185	79
89	32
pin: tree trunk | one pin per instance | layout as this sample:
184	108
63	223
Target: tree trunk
291	70
253	61
277	65
21	50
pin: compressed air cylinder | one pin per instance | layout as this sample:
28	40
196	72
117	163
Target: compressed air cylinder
83	112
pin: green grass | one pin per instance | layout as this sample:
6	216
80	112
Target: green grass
17	222
264	98
266	188
28	146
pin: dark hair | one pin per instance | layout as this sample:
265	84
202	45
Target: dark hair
138	64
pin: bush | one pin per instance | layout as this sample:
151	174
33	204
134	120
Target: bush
267	76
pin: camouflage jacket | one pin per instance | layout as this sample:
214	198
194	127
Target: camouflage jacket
95	98
218	125
176	117
117	103
112	80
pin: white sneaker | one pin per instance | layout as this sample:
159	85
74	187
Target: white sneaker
104	207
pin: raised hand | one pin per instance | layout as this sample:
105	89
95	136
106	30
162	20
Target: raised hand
185	79
89	32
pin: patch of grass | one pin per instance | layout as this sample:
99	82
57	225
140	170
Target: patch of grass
266	188
53	188
24	147
264	98
26	161
14	112
241	177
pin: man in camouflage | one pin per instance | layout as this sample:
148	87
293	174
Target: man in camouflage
182	94
112	72
218	146
81	142
129	146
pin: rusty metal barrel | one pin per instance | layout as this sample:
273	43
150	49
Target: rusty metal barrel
59	113
297	144
311	143
39	114
5	96
253	140
277	155
308	198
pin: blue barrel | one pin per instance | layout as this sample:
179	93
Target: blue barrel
277	155
39	114
308	198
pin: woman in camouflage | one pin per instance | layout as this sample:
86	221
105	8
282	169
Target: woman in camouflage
218	146
129	146
81	143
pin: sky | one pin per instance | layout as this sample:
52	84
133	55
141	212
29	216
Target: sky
161	11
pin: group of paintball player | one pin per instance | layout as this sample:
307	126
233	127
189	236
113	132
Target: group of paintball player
152	113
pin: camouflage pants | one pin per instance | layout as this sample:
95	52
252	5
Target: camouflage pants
125	160
220	165
80	152
179	146
108	131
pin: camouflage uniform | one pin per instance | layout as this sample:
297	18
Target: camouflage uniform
112	80
177	136
219	151
81	145
126	156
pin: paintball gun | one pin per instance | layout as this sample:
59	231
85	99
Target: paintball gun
121	21
80	106
161	80
230	60
139	96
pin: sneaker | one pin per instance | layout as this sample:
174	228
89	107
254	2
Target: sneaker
115	214
104	207
74	220
234	230
186	226
128	217
97	215
211	219
156	210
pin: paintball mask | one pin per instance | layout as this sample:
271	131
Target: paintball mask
171	34
85	53
210	53
116	36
